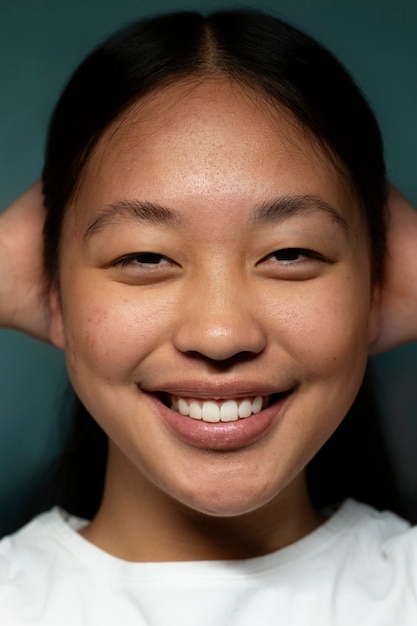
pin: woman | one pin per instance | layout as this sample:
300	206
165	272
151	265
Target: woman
214	247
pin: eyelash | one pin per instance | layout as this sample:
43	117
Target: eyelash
285	255
286	263
143	259
289	255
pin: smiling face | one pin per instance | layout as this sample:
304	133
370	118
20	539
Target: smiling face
215	297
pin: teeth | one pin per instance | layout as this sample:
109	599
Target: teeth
183	407
195	411
210	412
245	408
218	411
228	411
257	404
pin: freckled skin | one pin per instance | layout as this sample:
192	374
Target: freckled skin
211	154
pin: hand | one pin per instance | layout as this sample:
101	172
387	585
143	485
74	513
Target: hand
23	297
399	288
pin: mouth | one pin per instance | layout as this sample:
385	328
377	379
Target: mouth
224	421
214	410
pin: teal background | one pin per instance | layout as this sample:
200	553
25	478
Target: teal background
41	41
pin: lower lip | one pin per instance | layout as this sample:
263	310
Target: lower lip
222	435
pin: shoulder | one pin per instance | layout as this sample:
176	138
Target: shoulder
369	532
375	552
18	548
45	535
33	560
378	528
365	519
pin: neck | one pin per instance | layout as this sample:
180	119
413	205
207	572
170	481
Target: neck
141	523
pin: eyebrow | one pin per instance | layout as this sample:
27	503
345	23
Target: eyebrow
286	207
133	209
274	211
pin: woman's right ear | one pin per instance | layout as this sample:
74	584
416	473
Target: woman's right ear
56	322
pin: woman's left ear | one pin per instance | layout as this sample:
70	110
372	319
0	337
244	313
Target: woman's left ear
56	323
374	326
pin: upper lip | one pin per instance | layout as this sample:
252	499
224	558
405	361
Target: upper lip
219	390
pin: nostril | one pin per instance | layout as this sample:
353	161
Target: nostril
218	336
223	364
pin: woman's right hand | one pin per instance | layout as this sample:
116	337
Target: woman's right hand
23	295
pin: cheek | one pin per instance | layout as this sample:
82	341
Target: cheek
109	331
324	324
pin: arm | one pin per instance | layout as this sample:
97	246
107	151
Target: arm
23	300
399	288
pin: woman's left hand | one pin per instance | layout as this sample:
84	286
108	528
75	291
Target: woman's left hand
398	296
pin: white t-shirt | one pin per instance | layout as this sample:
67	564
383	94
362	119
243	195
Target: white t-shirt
358	568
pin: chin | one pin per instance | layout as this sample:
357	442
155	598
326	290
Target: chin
226	503
224	509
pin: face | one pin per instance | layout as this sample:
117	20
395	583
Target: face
215	301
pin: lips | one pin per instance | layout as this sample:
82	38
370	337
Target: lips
213	433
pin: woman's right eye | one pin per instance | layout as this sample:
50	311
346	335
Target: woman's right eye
144	268
146	260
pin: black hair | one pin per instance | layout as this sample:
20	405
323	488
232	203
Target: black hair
251	48
264	54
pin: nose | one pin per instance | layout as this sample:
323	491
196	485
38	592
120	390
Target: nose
220	320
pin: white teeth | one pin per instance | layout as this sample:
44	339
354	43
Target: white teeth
183	407
245	408
195	411
228	411
257	404
218	411
210	412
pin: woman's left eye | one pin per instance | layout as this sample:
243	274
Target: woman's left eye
293	255
293	264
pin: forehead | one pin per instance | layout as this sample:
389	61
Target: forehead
211	137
